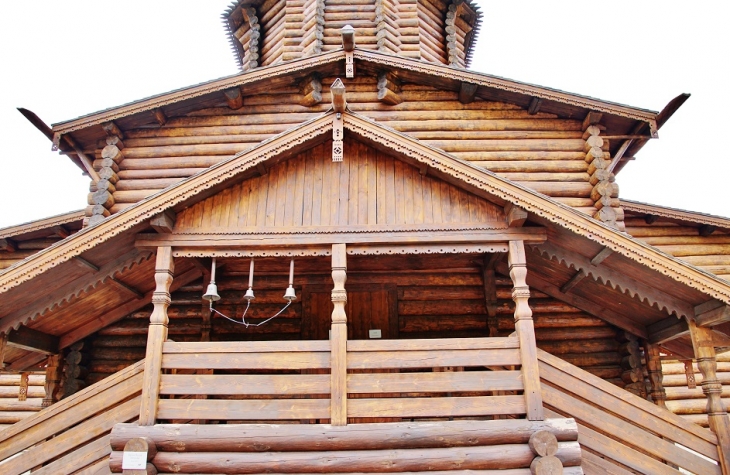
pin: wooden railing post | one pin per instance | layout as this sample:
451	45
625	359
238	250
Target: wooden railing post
525	330
338	337
156	336
711	386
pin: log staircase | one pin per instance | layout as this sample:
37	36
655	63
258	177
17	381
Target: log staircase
72	436
618	432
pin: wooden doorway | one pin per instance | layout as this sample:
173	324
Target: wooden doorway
369	307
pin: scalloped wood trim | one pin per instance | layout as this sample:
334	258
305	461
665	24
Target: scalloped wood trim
617	281
678	214
42	224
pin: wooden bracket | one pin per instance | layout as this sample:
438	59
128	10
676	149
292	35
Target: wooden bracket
339	101
388	89
8	245
163	223
234	98
348	44
467	92
33	340
666	330
311	90
592	118
515	216
110	128
160	116
707	229
711	313
534	107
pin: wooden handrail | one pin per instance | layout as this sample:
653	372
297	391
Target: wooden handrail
76	428
617	428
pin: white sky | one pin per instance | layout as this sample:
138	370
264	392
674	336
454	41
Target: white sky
62	59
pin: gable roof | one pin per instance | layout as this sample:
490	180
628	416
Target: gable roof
675	213
471	177
619	119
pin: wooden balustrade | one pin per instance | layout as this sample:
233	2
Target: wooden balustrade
620	432
72	436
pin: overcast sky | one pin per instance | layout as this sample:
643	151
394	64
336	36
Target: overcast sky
62	59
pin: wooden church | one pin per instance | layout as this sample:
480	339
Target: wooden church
358	256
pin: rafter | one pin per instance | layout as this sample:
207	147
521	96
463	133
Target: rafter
33	340
711	313
617	280
123	310
538	283
73	289
666	330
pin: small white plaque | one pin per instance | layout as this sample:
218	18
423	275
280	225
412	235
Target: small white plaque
134	461
375	334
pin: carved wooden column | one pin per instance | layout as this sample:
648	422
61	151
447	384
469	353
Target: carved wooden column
156	336
654	368
338	337
716	411
525	330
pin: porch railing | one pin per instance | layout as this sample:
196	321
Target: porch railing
386	379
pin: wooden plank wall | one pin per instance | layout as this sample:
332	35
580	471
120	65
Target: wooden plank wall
12	409
710	253
539	151
369	188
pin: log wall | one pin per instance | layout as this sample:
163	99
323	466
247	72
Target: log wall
539	151
684	241
690	402
13	407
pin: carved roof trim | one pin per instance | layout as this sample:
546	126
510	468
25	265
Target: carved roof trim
153	102
383	59
41	224
674	213
488	80
375	133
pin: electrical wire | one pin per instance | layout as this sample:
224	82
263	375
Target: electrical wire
243	317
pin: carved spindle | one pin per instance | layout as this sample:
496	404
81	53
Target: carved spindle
654	367
525	330
711	386
53	378
156	336
338	337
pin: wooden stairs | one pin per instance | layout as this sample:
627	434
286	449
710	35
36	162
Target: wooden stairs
618	433
72	436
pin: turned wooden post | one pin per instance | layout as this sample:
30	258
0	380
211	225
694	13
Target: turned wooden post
716	411
654	367
338	337
156	336
525	330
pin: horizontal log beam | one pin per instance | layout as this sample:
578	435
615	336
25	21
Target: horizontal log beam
33	340
328	235
666	330
288	438
712	313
